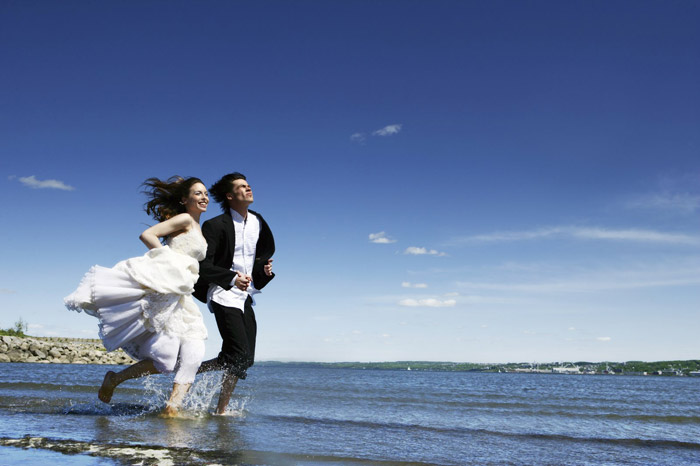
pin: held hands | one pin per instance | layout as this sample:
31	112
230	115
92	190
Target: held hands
242	281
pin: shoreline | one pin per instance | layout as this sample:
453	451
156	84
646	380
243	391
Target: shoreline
66	350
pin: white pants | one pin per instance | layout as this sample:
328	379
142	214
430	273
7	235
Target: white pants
189	359
185	361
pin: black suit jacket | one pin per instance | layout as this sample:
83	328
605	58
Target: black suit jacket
221	241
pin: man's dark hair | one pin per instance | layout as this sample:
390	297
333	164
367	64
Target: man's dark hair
224	186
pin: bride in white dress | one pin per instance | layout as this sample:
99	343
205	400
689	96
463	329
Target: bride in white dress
144	304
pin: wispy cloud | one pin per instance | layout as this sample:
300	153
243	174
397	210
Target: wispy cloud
585	233
7	291
639	277
358	138
414	285
32	182
428	302
388	130
680	203
604	339
381	238
416	251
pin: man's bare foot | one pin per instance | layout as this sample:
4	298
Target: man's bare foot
107	389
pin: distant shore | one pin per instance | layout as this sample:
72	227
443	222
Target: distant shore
657	368
61	350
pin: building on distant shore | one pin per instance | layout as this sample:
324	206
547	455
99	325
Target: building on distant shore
568	369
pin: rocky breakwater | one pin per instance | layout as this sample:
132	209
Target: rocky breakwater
58	350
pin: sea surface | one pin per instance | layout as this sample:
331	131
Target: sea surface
286	414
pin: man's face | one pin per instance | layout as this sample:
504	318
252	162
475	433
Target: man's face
241	193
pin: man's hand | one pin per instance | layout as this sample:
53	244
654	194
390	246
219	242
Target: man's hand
268	268
242	281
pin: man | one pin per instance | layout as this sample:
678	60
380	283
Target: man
237	266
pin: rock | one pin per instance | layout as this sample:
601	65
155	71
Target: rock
16	355
59	350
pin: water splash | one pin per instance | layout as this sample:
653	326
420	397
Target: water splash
154	393
204	394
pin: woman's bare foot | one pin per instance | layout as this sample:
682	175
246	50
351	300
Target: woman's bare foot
170	412
107	389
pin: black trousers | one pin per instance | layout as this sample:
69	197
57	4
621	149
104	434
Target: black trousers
238	330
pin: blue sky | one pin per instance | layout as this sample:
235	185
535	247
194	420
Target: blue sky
466	181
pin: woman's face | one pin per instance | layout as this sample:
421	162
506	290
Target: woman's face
197	200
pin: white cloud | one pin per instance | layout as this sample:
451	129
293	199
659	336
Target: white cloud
511	236
592	233
682	203
414	285
416	251
634	235
388	130
428	302
603	338
381	238
32	182
638	276
359	138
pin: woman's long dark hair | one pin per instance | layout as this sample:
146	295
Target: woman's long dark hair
165	197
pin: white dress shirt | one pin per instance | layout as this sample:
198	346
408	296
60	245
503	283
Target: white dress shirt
247	232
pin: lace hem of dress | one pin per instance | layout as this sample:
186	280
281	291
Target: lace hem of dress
83	298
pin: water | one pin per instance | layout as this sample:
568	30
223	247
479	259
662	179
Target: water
295	415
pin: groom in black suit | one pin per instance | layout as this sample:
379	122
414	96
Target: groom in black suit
237	266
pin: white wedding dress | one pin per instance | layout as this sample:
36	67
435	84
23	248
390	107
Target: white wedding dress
145	304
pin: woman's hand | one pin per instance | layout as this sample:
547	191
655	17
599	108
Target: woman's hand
151	237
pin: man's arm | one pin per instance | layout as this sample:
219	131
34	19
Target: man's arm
264	250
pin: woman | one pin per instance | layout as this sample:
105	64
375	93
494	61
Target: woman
144	304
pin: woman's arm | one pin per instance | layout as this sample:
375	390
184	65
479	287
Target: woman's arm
151	236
